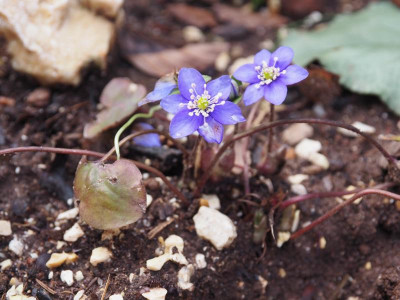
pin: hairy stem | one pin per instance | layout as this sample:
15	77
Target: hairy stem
334	210
271	130
133	135
302	198
274	124
128	123
98	155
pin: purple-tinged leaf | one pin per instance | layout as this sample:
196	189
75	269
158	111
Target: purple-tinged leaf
111	195
120	99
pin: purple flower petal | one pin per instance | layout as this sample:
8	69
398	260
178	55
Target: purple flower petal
252	94
163	88
284	55
213	132
227	114
188	76
172	103
183	124
275	92
220	85
263	55
146	140
294	74
247	73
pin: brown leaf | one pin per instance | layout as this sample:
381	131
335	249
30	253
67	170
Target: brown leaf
120	98
198	56
192	15
246	18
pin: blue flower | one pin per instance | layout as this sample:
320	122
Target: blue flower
201	106
269	76
164	86
146	140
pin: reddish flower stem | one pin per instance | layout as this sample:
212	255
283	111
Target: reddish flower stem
136	134
274	124
98	155
301	198
271	130
334	210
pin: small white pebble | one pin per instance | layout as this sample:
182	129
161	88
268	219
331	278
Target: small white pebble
5	228
322	243
297	179
155	294
283	237
17	170
69	214
16	246
368	265
200	261
67	276
79	295
74	233
298	189
213	201
79	276
149	199
306	147
184	275
51	274
5	264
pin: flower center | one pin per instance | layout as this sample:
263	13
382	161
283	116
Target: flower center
267	74
202	104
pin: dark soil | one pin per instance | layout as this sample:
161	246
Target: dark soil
361	258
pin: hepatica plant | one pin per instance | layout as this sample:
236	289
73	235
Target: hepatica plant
202	107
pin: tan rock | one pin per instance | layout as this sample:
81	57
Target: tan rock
100	255
5	228
107	8
57	259
155	294
53	39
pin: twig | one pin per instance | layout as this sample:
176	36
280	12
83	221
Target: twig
274	124
152	233
301	198
106	288
46	287
136	134
98	155
334	210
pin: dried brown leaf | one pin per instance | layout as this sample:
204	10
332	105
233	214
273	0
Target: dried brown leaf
192	15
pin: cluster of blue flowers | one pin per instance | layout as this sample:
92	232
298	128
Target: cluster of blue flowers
205	106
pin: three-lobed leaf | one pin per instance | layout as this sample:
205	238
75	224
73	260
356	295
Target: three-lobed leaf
362	48
111	195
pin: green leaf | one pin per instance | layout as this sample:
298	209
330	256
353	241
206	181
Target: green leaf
111	195
120	99
362	48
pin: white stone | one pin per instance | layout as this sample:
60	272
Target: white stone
200	261
16	246
283	237
116	297
79	276
79	295
365	128
69	214
213	201
192	34
215	227
57	259
319	159
107	8
74	233
156	263
306	147
53	40
184	275
296	133
100	255
16	293
149	199
298	189
155	294
5	264
67	276
298	178
5	228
